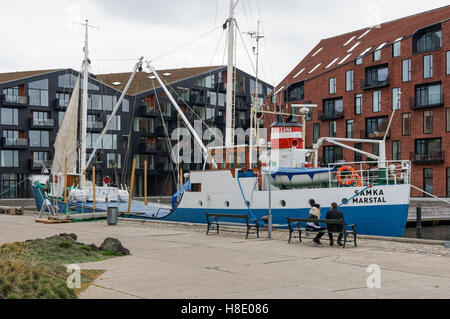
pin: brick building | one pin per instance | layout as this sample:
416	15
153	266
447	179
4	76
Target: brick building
355	78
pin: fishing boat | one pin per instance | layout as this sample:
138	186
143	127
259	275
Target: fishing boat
270	180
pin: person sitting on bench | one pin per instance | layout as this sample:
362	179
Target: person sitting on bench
314	213
334	213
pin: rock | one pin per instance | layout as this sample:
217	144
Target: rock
73	236
114	245
93	247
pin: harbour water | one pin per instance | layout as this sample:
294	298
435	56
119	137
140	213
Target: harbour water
441	232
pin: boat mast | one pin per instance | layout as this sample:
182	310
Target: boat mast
84	103
229	133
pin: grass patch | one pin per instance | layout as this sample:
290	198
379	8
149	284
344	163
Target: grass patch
35	269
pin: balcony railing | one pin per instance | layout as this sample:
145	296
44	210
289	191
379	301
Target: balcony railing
95	125
145	148
145	111
437	157
42	123
367	85
433	100
196	99
9	142
61	104
14	100
331	115
37	165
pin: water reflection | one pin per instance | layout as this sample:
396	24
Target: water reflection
430	232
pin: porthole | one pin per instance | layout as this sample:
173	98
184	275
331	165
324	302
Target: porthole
227	204
283	203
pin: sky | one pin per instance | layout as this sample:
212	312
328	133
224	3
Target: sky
44	34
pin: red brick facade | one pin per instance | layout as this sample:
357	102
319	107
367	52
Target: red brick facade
316	90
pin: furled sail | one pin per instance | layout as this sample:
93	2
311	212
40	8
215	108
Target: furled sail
66	141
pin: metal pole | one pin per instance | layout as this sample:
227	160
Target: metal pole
93	181
145	183
132	186
65	185
270	190
419	218
229	134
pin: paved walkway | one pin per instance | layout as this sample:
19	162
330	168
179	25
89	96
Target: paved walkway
178	262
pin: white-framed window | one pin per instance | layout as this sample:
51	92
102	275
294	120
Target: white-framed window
349	80
332	85
376	101
427	66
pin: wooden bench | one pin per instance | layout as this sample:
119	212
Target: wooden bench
214	220
295	224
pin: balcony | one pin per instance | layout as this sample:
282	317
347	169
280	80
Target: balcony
14	143
437	157
42	124
14	100
60	104
196	99
145	148
367	85
39	165
95	125
432	101
332	115
145	111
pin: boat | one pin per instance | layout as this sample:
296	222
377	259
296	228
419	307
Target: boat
278	178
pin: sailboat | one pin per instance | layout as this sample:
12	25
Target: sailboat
66	186
374	195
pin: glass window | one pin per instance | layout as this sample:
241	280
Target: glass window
376	149
428	122
183	93
113	160
376	101
332	85
221	99
296	92
358	104
396	98
428	149
349	129
406	70
359	61
427	66
377	55
358	156
125	106
212	98
316	129
63	99
428	181
67	81
38	93
9	159
397	49
429	94
448	120
332	154
428	39
60	117
406	124
448	62
349	81
39	139
396	151
376	126
115	123
107	102
333	129
9	116
448	182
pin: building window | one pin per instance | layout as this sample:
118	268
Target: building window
376	106
396	98
113	160
332	85
406	124
125	106
38	92
349	81
376	127
428	39
39	159
358	61
448	120
397	49
39	139
429	150
296	92
448	182
333	129
61	118
63	99
377	55
428	122
332	154
406	70
240	83
358	156
376	149
358	104
448	62
396	151
9	116
377	76
115	123
67	81
109	141
427	66
316	129
9	159
428	181
349	129
428	95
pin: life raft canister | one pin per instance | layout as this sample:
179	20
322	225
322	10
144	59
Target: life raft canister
349	180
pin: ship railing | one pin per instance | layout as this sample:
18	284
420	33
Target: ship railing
368	173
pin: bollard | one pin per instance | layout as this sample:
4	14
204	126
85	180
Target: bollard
419	218
447	244
112	216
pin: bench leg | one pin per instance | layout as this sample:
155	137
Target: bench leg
257	231
248	231
290	236
354	236
207	231
345	239
217	228
300	235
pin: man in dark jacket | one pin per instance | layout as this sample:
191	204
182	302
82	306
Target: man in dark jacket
334	213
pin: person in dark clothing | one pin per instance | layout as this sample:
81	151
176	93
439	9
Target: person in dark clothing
334	213
314	213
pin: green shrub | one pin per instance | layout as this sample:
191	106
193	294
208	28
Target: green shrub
13	296
65	244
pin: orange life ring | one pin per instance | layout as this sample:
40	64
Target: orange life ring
347	181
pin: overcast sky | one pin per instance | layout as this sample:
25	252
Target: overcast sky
42	34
